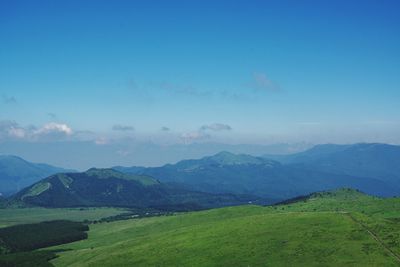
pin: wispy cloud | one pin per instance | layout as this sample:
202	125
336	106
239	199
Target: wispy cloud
263	83
123	153
11	129
216	127
165	129
194	136
52	116
101	141
204	131
132	85
123	128
9	99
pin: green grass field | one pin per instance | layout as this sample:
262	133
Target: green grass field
348	200
12	216
345	229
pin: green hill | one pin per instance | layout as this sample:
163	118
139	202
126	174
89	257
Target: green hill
111	188
336	228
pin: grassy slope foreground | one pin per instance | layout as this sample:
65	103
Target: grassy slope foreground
342	228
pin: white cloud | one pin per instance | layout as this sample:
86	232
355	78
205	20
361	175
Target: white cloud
53	127
49	132
11	129
16	132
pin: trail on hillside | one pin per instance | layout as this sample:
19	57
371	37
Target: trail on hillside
374	236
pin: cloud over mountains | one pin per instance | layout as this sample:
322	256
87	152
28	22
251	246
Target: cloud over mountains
11	130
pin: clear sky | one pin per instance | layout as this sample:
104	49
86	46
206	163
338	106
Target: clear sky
186	71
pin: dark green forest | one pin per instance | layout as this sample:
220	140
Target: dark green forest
17	243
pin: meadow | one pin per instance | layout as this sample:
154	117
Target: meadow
343	228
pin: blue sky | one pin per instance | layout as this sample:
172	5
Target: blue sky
256	72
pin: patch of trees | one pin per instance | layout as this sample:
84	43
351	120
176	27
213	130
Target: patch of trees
27	237
134	214
27	259
293	200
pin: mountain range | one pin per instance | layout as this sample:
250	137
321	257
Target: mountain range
17	173
219	180
377	161
372	168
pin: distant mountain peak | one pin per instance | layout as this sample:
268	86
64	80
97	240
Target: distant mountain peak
224	157
228	158
224	154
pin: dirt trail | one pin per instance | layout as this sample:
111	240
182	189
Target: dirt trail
375	236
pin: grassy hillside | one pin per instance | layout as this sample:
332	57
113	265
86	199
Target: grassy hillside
347	200
340	228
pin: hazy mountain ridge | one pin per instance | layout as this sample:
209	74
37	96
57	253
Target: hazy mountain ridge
374	160
17	173
288	176
83	155
372	168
